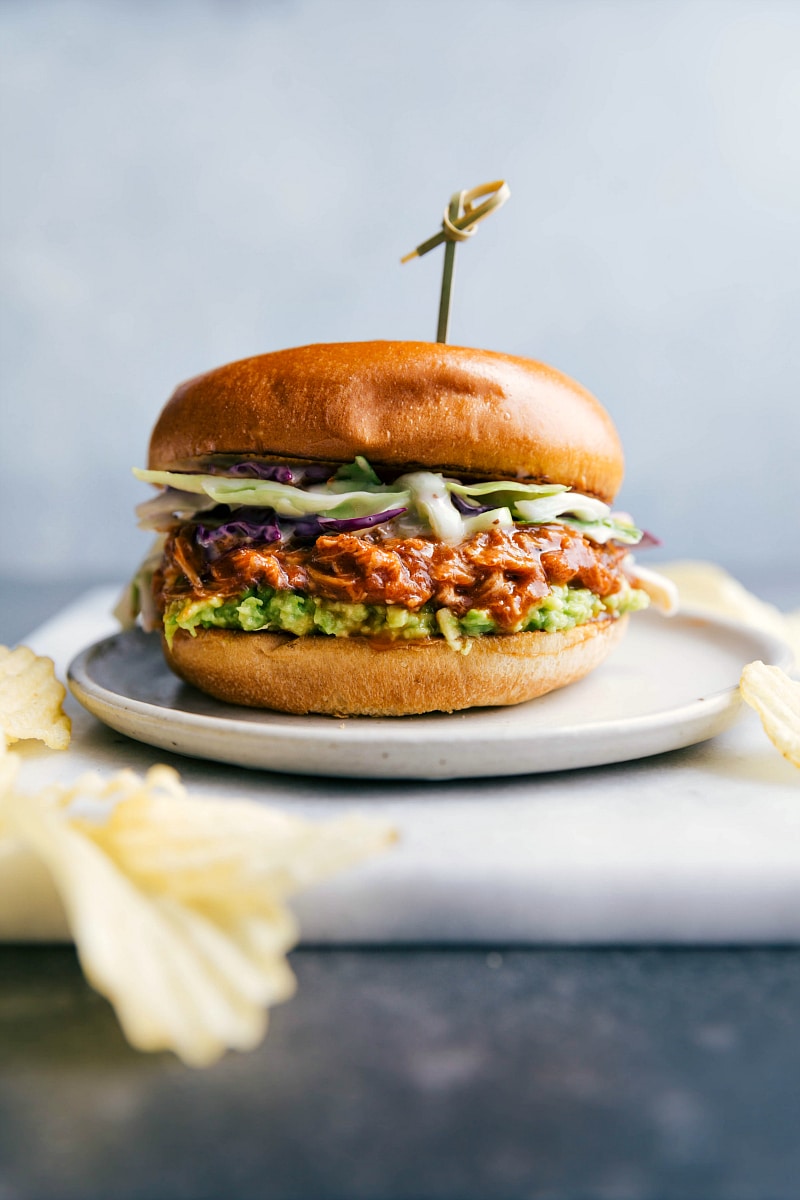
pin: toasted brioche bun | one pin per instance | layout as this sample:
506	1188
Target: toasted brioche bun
352	676
400	404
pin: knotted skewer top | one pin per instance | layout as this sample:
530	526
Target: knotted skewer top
460	222
464	224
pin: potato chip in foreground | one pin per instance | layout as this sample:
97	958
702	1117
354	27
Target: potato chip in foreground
776	699
175	905
31	699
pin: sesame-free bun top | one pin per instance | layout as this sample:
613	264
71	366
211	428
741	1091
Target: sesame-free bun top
401	405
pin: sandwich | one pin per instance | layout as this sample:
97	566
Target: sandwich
387	528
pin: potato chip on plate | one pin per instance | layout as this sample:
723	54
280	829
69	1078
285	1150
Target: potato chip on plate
776	699
31	699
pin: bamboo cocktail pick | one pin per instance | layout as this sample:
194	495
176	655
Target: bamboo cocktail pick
460	222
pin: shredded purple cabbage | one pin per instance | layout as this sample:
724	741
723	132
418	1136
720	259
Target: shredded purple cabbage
253	470
313	526
466	508
316	473
279	473
262	526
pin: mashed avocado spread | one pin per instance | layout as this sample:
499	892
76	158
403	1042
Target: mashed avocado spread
292	612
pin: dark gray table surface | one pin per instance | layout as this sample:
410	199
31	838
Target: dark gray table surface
416	1073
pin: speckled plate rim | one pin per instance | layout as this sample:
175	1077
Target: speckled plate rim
270	743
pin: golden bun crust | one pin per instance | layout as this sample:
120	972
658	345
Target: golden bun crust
351	676
473	412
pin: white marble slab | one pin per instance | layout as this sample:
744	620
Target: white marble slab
698	846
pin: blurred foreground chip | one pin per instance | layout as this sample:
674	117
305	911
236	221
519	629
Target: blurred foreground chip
177	905
31	699
776	699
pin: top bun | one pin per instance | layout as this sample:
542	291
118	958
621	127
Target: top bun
401	405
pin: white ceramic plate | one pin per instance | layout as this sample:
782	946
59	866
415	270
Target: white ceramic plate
671	683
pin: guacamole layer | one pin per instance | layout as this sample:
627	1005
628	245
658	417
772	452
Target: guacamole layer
294	612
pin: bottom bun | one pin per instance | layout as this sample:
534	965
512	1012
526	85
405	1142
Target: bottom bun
357	677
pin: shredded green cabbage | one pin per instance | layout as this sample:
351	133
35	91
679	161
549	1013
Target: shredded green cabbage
356	491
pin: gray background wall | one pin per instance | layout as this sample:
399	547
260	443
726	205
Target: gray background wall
188	183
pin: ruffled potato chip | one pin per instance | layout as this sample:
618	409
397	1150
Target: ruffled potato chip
176	905
176	979
776	699
221	851
31	699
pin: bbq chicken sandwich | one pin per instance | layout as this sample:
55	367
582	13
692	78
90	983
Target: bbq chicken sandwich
387	528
